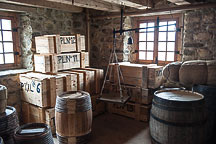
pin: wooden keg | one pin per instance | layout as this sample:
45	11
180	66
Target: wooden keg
211	64
1	140
209	93
3	98
8	123
73	115
33	133
177	117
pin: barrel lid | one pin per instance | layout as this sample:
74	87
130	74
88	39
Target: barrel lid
8	111
178	95
74	95
2	87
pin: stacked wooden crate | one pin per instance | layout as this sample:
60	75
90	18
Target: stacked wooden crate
39	93
54	74
55	53
139	81
92	79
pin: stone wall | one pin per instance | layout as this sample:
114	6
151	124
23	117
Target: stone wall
102	41
12	84
44	22
200	35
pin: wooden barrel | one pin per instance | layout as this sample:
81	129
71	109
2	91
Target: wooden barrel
3	98
30	134
73	114
8	123
1	140
177	117
211	64
209	93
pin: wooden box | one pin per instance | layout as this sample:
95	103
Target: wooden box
98	78
140	75
98	107
155	76
45	63
48	44
140	95
72	80
41	89
132	110
56	62
133	74
80	79
88	79
84	59
35	114
68	61
59	44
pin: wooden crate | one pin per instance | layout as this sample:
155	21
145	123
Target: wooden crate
35	114
88	79
140	95
45	63
98	78
41	89
140	75
56	62
133	74
98	107
155	76
72	80
84	59
48	44
59	44
80	79
131	110
68	61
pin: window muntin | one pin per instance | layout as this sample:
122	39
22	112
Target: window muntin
164	42
6	42
146	41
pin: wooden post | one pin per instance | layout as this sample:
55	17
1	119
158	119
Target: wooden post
88	44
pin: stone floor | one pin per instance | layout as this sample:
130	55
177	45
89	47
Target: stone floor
115	129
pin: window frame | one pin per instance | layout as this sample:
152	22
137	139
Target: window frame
178	44
14	23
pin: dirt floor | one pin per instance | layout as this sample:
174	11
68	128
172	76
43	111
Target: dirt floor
114	129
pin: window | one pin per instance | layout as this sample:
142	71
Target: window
8	42
158	42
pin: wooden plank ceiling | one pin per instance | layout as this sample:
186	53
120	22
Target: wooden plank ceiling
78	5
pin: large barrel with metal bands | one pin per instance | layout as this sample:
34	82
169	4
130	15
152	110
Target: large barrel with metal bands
3	98
43	137
209	93
177	117
73	114
8	123
1	140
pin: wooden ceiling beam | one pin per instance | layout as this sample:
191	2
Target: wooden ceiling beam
169	10
93	4
179	2
45	4
139	4
16	8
